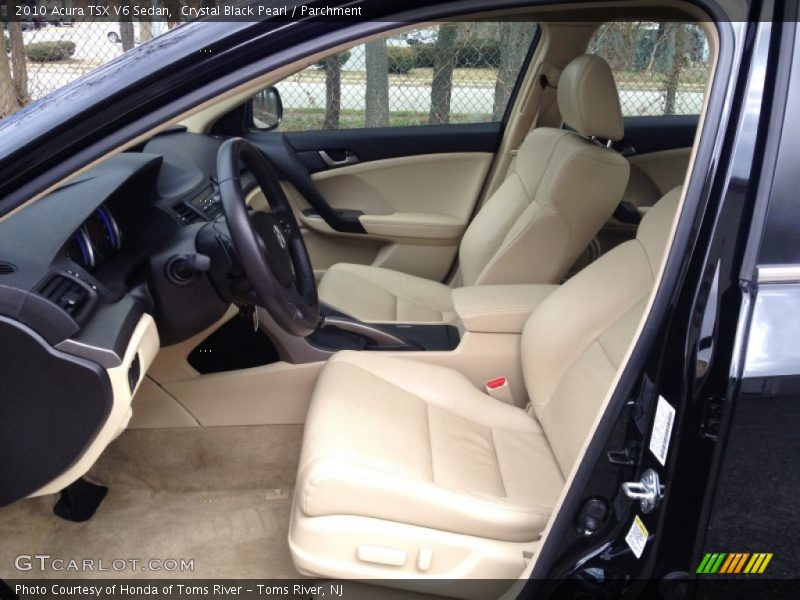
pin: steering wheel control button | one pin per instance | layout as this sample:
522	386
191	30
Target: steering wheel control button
276	243
279	236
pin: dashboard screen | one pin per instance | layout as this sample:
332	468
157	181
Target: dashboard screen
97	239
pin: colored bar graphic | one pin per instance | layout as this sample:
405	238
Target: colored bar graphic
753	560
729	562
715	567
740	563
734	563
767	558
701	568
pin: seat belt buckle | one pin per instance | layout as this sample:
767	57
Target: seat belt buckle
498	388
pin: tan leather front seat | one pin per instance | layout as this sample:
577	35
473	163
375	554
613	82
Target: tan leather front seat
563	188
408	470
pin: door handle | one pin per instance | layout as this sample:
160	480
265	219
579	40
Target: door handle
349	159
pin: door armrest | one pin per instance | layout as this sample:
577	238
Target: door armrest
414	225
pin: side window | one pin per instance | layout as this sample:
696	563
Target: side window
449	73
660	68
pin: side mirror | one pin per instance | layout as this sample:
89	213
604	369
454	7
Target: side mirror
266	109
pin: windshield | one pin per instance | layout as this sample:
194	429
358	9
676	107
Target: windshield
43	55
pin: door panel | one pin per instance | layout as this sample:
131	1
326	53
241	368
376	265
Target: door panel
439	184
654	174
658	149
415	210
653	134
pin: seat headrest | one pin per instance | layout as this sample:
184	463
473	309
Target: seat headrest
588	98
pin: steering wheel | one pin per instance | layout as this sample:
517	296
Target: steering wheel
269	245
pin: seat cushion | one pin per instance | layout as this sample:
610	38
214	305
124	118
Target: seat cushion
382	295
404	441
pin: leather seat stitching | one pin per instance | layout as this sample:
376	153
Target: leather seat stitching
497	461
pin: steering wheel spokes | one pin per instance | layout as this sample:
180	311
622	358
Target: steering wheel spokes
269	245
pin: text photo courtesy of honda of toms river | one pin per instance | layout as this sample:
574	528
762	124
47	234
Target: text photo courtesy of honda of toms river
381	299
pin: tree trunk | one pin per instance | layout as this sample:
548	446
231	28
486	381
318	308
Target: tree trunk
174	10
377	93
145	30
19	67
333	91
8	98
126	33
666	32
442	85
515	36
673	80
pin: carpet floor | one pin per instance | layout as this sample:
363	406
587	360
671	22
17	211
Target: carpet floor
219	497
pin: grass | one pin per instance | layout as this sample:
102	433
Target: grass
310	119
415	77
690	80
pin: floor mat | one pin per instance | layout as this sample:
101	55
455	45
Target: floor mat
217	499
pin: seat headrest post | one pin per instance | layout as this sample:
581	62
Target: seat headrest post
588	98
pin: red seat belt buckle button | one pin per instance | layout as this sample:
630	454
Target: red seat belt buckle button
497	382
498	388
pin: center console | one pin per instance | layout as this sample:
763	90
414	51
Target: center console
499	310
341	332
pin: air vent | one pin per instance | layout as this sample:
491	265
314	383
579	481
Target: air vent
185	214
6	268
66	293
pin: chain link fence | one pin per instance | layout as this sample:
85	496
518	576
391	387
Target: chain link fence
454	73
42	57
660	68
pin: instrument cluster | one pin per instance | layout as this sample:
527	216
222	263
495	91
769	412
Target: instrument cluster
96	240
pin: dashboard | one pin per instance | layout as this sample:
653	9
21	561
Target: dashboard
76	255
83	291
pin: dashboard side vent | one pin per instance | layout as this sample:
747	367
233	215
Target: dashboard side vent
6	268
185	213
66	293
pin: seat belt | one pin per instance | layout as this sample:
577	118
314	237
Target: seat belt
547	113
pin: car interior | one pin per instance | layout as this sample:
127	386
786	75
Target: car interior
345	353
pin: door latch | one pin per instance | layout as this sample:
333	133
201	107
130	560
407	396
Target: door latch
648	490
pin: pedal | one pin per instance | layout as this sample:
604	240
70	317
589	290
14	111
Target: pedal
80	500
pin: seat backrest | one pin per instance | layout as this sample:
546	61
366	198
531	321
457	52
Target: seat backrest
564	186
576	340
